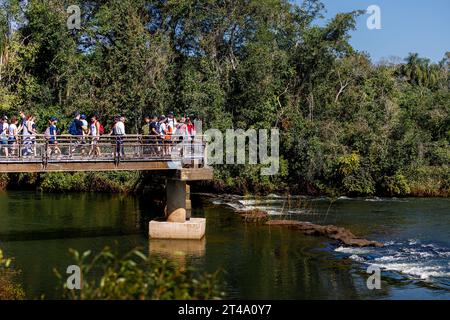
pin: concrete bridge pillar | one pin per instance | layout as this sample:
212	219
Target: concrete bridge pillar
177	196
177	223
188	202
179	206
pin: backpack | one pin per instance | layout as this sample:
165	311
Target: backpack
101	129
47	134
73	128
146	129
169	132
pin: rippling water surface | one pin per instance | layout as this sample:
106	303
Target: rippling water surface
258	262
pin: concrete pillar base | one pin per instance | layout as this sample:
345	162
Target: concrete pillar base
193	229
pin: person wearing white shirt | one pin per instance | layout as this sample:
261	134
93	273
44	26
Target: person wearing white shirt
4	134
162	133
171	121
13	135
118	130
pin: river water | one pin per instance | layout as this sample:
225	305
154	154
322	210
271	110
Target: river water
257	262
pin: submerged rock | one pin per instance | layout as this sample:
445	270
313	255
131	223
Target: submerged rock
255	216
336	233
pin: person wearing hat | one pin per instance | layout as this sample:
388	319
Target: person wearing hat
50	135
77	126
77	129
83	118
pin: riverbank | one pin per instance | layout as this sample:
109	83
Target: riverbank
63	182
426	183
421	181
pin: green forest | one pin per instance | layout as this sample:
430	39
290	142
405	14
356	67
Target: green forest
348	125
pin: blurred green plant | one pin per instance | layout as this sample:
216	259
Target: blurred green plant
9	289
134	276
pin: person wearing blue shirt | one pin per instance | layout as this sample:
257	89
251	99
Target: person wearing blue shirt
77	129
51	135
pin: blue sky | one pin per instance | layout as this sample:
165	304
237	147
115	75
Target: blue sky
421	26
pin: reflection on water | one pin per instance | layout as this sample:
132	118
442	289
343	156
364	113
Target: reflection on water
179	251
258	262
178	247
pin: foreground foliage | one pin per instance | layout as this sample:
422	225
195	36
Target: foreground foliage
137	277
9	289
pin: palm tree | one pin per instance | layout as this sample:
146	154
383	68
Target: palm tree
412	68
421	72
444	65
5	32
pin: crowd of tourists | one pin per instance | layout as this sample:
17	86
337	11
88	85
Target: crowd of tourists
18	135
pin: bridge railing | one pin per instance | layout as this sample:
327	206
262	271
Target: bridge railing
68	148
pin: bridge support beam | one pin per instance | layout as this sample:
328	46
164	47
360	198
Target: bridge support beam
177	197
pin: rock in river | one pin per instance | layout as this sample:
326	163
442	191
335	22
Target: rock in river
336	233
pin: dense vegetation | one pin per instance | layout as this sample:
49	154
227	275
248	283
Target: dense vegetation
108	182
347	125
